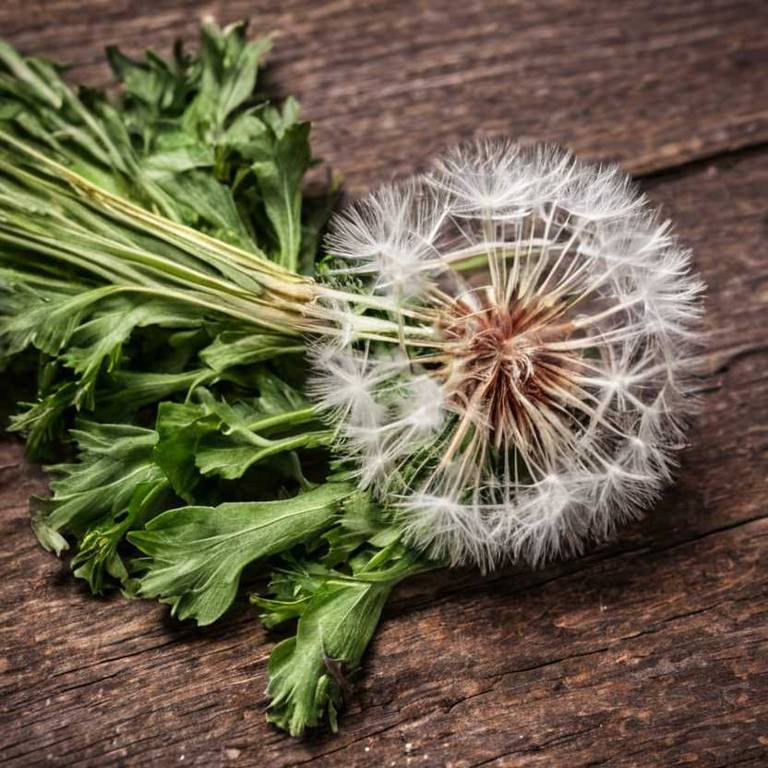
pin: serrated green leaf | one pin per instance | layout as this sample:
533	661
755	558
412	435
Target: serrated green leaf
276	396
235	348
198	553
338	615
165	164
241	444
97	344
41	421
113	460
335	628
48	321
97	557
216	437
229	65
130	390
217	456
211	206
279	178
179	427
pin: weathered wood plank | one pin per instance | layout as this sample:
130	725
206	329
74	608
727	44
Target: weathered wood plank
650	651
647	652
390	83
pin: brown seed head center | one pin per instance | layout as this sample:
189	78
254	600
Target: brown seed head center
502	378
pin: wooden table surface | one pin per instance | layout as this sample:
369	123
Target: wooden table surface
647	652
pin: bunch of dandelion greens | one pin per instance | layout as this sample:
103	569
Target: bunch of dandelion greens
156	249
492	363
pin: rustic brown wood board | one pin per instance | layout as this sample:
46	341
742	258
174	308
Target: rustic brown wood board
651	651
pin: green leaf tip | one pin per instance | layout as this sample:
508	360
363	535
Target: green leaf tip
337	615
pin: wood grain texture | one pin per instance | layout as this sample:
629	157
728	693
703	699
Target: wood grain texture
647	652
390	82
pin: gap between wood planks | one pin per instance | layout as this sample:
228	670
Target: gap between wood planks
652	171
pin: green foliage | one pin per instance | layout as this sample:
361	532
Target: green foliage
187	138
150	249
338	610
216	437
113	460
98	558
197	553
336	624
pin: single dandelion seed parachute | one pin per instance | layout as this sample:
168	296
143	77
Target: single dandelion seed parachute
533	394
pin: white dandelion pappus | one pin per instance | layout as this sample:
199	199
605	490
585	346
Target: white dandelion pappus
537	384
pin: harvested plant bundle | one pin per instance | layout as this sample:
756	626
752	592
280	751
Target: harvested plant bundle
489	363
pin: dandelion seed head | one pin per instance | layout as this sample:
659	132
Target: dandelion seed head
519	378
